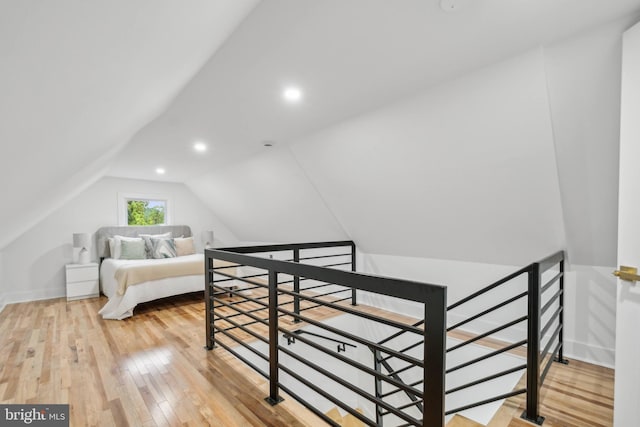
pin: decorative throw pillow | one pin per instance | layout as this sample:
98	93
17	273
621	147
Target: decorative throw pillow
184	246
133	249
147	240
115	245
162	247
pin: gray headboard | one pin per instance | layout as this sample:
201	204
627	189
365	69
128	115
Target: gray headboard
104	233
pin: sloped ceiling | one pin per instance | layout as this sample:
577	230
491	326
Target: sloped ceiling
78	79
77	102
349	57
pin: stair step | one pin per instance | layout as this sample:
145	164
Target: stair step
351	421
461	421
334	414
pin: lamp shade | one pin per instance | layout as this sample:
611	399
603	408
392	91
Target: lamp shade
81	240
207	238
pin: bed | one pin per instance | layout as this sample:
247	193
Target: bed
129	282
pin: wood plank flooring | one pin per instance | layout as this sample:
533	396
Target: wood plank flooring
152	370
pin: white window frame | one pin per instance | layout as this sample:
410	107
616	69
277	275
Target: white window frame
124	198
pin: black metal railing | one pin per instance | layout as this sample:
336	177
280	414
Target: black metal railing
274	298
408	375
536	301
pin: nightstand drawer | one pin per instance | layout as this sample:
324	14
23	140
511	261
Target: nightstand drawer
85	289
82	274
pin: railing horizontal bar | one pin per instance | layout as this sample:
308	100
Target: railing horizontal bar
246	313
551	301
358	313
484	402
338	380
550	322
413	384
549	363
404	350
397	334
550	261
354	363
329	293
336	301
302	331
243	279
322	256
551	282
243	327
283	247
490	287
487	356
355	338
487	311
309	406
401	370
405	406
222	280
262	321
246	298
486	334
405	289
551	340
324	285
244	344
487	378
236	354
236	325
336	265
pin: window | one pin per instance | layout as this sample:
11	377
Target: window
143	210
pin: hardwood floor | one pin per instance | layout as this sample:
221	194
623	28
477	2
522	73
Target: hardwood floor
152	370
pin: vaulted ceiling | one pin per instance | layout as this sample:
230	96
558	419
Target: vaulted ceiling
120	88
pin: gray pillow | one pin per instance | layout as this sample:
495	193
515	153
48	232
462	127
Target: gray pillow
162	247
147	241
132	249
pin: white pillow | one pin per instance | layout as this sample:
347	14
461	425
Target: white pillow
115	246
184	246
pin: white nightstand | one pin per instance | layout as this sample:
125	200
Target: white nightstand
82	281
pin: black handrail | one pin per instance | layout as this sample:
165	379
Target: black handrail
291	339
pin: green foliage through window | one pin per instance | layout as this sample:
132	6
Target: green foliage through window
145	212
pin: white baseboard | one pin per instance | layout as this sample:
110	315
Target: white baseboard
33	295
590	353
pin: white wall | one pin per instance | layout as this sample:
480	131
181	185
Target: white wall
464	171
268	198
34	263
583	76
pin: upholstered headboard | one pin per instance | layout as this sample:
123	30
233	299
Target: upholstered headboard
104	233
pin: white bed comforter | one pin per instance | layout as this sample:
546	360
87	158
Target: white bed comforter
121	306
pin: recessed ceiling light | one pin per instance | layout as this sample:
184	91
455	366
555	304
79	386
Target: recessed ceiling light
200	147
268	143
292	94
449	5
160	171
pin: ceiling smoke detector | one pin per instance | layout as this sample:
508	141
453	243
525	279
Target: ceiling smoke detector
449	5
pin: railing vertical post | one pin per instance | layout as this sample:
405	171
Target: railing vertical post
378	385
354	300
274	397
533	347
208	303
560	357
296	287
435	316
